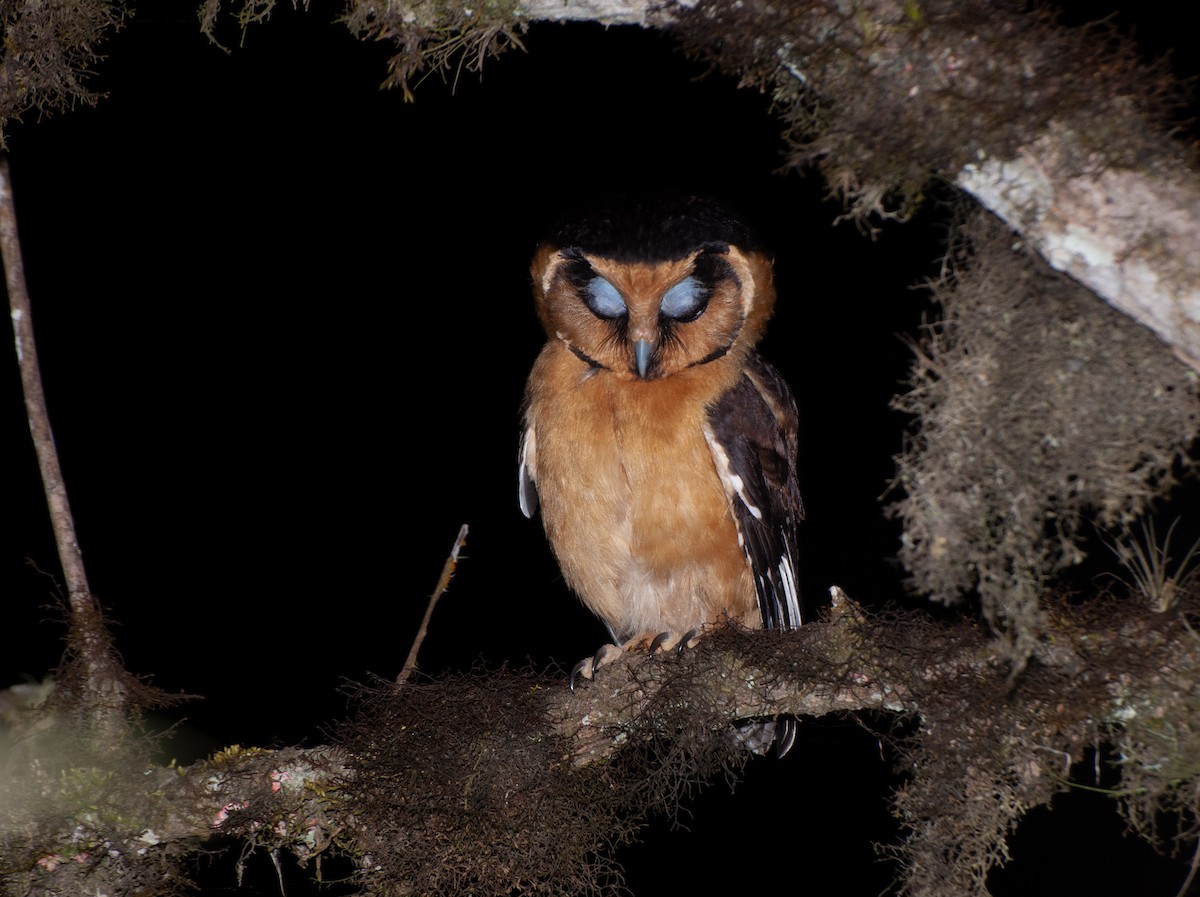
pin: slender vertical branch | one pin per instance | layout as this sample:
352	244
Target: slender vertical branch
104	688
69	554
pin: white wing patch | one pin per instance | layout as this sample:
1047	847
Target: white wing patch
525	473
731	481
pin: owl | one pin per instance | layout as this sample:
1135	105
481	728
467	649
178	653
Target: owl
659	446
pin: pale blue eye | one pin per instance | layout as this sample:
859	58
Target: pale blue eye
685	300
603	298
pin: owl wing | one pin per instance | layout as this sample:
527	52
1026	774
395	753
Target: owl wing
752	431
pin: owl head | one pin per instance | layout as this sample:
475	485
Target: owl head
646	290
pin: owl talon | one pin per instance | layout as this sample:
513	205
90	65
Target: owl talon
689	640
670	641
606	655
588	667
664	641
583	668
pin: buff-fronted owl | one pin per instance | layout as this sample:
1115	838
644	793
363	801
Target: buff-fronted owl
658	445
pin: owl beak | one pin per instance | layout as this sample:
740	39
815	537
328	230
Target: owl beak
641	351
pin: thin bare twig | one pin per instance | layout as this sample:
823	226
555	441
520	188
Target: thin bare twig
410	665
1194	865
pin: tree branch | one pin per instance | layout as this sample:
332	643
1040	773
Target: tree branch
69	555
93	678
539	785
1128	236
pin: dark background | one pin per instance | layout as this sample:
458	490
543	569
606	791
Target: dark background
284	321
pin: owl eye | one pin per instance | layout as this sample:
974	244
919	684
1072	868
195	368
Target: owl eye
685	301
603	299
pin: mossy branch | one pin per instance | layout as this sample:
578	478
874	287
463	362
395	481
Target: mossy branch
538	786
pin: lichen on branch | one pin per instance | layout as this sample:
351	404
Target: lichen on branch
1037	411
49	51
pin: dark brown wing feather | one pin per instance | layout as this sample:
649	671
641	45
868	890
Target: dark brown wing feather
756	425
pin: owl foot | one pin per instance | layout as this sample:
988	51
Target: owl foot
664	641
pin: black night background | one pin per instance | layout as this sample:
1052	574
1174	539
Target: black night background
284	322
